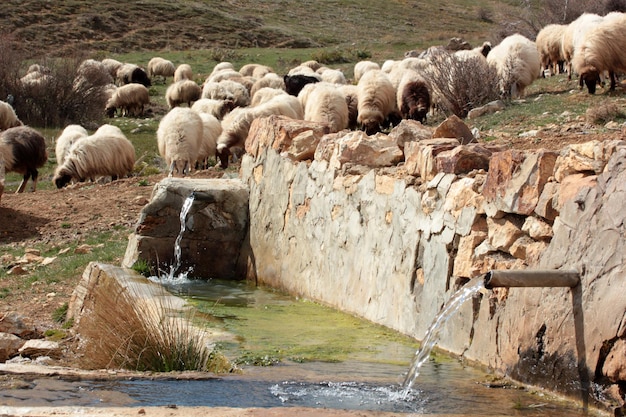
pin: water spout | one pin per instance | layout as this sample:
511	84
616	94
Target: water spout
530	278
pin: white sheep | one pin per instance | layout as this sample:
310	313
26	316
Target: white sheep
517	61
255	70
23	150
265	94
216	108
602	50
574	34
105	153
111	65
69	135
549	40
351	94
376	100
271	79
162	67
183	91
227	90
183	72
236	124
325	103
179	138
90	74
362	67
211	130
222	66
8	118
130	98
333	76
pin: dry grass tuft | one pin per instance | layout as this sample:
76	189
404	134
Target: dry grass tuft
145	335
604	112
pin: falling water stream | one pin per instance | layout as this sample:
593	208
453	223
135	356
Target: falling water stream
370	379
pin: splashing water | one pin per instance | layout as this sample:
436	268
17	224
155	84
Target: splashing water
171	276
432	334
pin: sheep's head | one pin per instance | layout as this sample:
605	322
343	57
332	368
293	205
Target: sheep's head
61	181
418	113
370	121
223	153
590	76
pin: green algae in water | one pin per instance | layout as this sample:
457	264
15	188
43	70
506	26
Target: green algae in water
272	327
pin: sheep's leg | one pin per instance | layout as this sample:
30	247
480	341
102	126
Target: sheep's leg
613	81
22	186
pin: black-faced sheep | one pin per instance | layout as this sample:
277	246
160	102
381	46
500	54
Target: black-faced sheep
295	83
211	130
183	91
602	50
24	151
161	67
574	34
70	135
517	61
236	124
179	138
183	72
376	100
549	41
105	153
131	73
130	98
362	67
413	97
323	102
216	108
8	118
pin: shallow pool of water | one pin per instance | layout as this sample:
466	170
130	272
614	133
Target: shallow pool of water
321	358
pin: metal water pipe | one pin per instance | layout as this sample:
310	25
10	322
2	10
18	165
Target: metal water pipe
529	278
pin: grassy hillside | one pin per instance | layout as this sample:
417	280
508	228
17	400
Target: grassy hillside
115	26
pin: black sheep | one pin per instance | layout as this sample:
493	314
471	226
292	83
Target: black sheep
295	83
24	150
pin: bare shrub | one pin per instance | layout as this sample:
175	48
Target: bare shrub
603	112
10	63
57	100
459	85
144	335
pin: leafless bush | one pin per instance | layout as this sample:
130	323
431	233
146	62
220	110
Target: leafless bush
10	63
459	85
603	112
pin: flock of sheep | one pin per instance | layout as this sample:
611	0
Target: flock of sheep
213	119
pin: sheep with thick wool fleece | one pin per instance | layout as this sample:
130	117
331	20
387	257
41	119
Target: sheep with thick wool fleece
131	98
211	130
105	153
272	80
602	50
111	65
266	94
222	66
351	94
69	135
183	91
183	72
216	108
179	138
362	67
227	90
236	124
517	62
23	150
376	100
549	43
158	66
574	34
413	97
8	118
331	75
255	70
325	103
